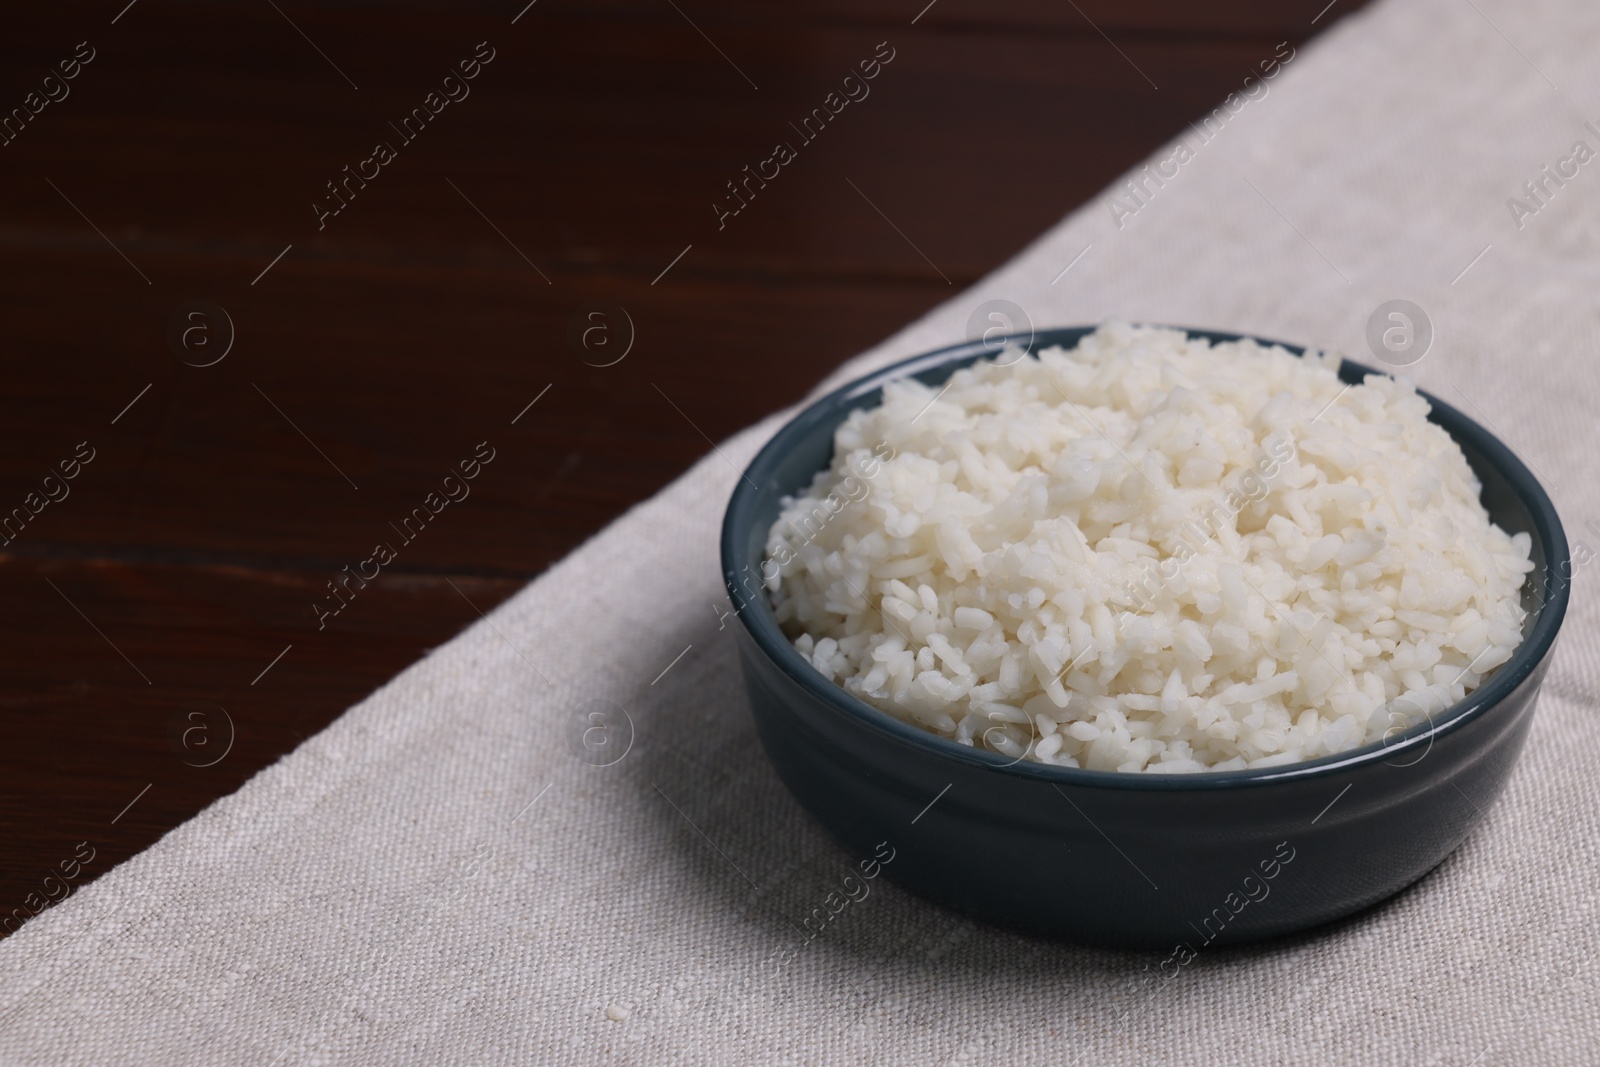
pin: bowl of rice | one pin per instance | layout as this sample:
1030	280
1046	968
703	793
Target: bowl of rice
1147	636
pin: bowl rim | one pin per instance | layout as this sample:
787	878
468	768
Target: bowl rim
756	616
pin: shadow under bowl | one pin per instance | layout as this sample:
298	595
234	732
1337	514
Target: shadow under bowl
1123	859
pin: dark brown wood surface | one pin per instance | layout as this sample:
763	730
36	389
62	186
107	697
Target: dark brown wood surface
159	637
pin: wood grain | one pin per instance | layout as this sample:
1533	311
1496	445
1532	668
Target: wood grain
374	349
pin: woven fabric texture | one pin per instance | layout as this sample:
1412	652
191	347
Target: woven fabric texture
436	878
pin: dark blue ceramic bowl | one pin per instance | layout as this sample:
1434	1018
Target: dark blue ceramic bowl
1173	861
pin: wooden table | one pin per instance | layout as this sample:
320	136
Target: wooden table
258	342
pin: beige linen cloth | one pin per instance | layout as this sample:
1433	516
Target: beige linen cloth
436	878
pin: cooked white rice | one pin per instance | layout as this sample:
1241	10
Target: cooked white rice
1149	553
